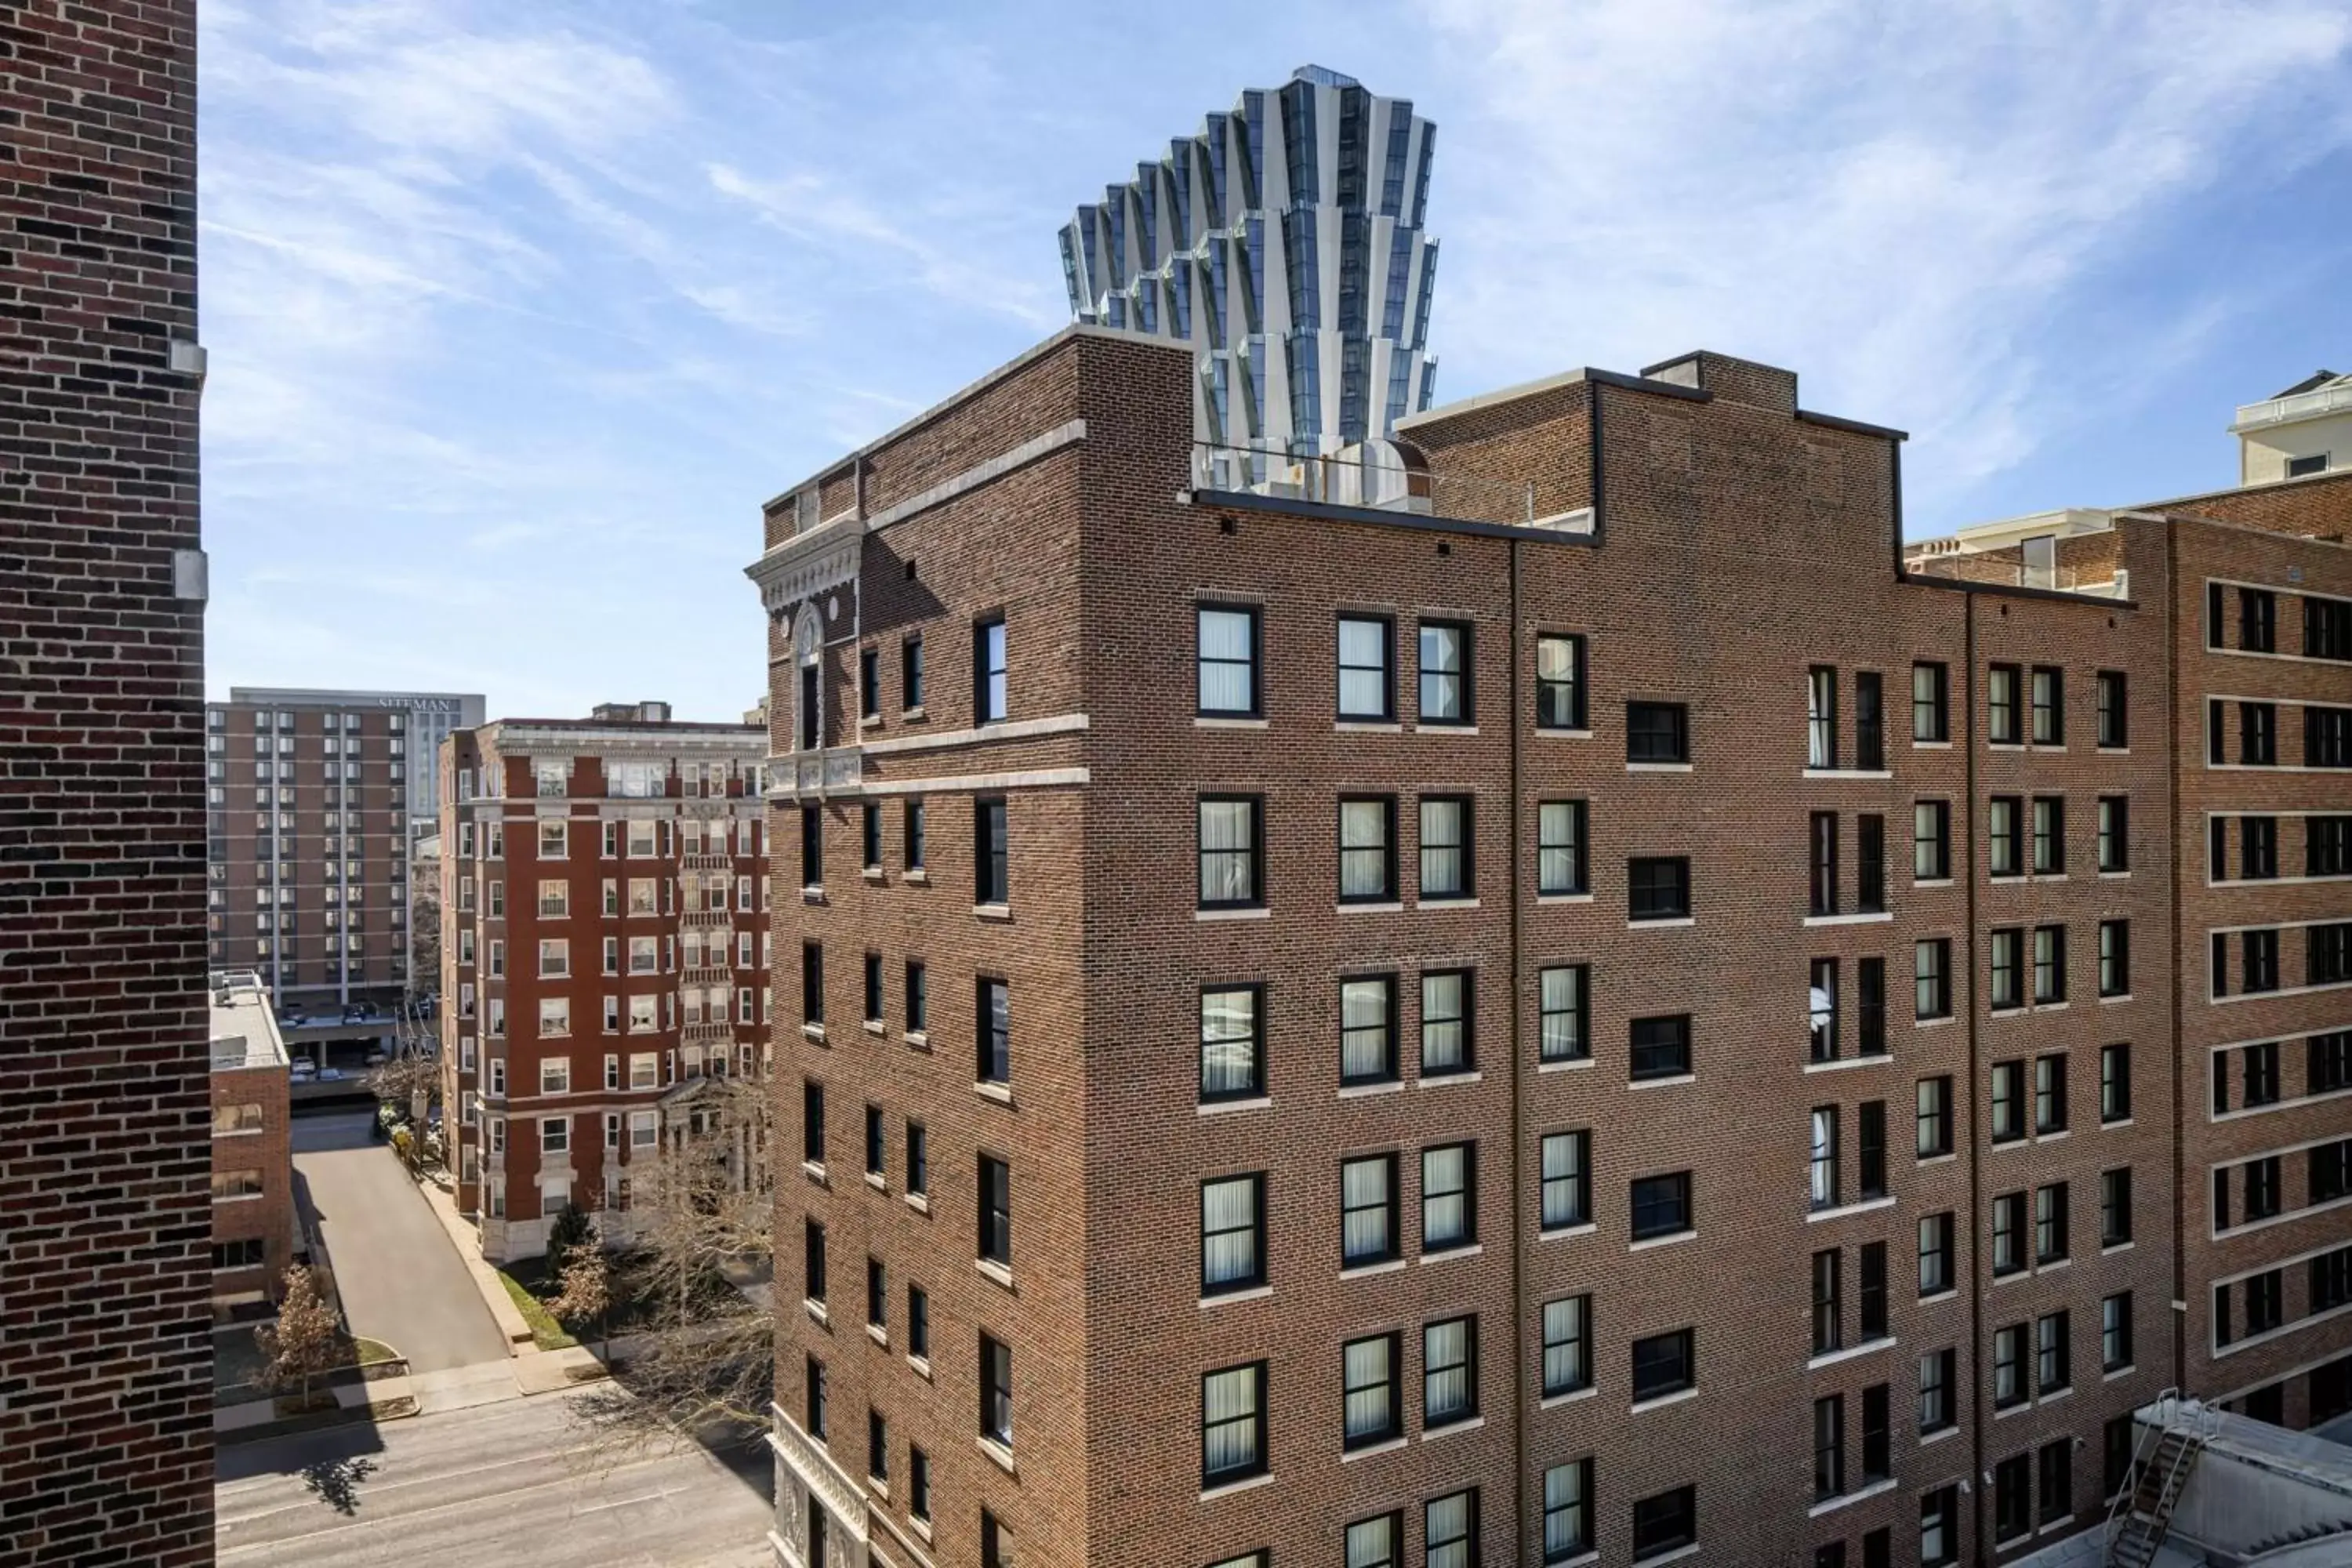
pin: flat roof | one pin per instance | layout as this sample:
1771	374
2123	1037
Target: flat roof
244	1026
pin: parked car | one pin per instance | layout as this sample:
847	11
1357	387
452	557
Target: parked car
292	1013
302	1069
355	1014
330	1074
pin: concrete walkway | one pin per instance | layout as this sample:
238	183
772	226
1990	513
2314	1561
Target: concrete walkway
402	1279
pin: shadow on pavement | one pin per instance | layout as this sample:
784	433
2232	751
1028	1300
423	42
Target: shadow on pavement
336	1482
331	1460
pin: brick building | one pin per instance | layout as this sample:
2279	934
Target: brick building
105	1373
602	949
1493	1022
253	1171
307	818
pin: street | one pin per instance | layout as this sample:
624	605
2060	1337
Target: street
508	1483
401	1280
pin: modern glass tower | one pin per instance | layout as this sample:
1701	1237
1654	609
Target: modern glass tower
1284	243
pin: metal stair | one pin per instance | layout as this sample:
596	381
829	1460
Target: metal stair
2141	1514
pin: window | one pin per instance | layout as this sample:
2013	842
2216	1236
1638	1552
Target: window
1658	888
1228	661
1367	1031
870	838
2012	1498
1449	1374
2115	1083
2050	1227
1937	1411
813	1281
1445	859
2258	734
1870	863
1559	848
995	1542
869	683
2257	620
1821	1178
1667	1523
995	1238
2049	706
1932	969
1823	881
2327	954
2008	979
991	871
910	672
918	997
2053	1355
1822	1002
2049	1095
2257	847
2328	1176
1929	720
1232	1425
2327	628
1566	1345
1562	1033
988	671
1661	1205
1445	673
2114	833
914	836
996	1390
1450	1530
813	1122
1657	732
1664	1364
1567	1177
1449	1216
2049	836
1232	1044
1829	1446
1869	1007
2327	846
919	1160
811	851
995	1020
1229	839
817	1399
1366	691
1559	683
2007	1234
2003	856
1372	1542
1568	1510
1368	1219
1829	1301
2009	1387
812	982
2327	1062
1661	1048
1869	723
1935	1254
874	988
1939	1528
1935	1096
1367	849
1870	1152
918	1322
2115	720
2003	725
2116	1332
2259	954
1233	1230
2114	958
2265	1301
1369	1387
1821	716
1445	1040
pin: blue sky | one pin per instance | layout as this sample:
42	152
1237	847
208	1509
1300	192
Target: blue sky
518	310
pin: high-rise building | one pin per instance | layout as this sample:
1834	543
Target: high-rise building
105	1249
309	812
1383	1032
1285	244
428	717
602	949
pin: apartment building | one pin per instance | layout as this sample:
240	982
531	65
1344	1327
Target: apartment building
307	849
253	1171
1394	1019
602	949
427	717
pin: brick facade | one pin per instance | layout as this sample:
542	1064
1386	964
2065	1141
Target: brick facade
1684	509
105	1384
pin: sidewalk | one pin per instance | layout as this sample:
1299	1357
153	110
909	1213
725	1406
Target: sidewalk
486	1278
383	1399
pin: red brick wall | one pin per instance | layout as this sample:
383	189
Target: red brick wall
105	1394
270	1217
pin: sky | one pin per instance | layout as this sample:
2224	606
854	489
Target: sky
518	310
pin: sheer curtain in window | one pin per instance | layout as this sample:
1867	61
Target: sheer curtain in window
1369	1408
1363	848
1364	1029
1228	1231
1229	1421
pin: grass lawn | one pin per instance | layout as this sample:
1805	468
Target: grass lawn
545	1331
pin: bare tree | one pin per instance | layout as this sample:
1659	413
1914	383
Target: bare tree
424	932
698	1263
410	1079
586	1296
305	1340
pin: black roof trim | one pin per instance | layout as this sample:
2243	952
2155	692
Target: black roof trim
1837	422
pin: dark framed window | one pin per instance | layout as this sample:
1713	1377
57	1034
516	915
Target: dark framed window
1367	1030
1937	1409
989	694
918	999
875	1143
995	1542
996	1233
2327	628
2004	843
1231	833
816	1401
1368	1391
1871	1295
1446	1041
2327	954
1367	849
2258	958
2008	961
1560	682
1232	1425
1932	978
1939	1528
1821	716
2054	1481
1450	1530
1449	1198
2257	847
2012	1498
918	1322
811	847
1829	1446
1935	1254
918	1159
812	1269
1232	1042
919	1484
1449	1372
1869	722
910	672
1823	1183
1821	860
1367	680
2116	1332
2049	693
992	882
996	1390
2052	1353
1227	654
2049	835
1657	732
877	1445
2115	1083
1930	704
1661	1205
1870	863
1869	1007
2004	718
869	683
1664	1363
1870	1150
1368	1210
1232	1233
1568	1510
2009	1388
1566	1345
913	834
1446	869
1560	848
1658	888
1667	1523
2114	833
2049	1095
2052	1240
1445	688
1659	1048
812	1123
2115	712
994	1015
2114	958
2007	1234
1935	1096
1562	1032
873	987
2327	1062
870	838
1567	1181
2257	620
1829	1300
2258	734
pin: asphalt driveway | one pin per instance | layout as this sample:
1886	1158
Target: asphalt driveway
400	1278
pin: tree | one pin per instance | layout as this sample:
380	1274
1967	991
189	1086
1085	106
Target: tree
570	1232
586	1296
305	1338
412	1081
425	926
700	1228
